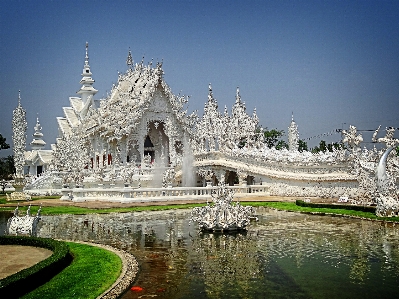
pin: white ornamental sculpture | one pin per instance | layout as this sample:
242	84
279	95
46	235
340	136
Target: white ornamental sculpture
19	128
351	138
386	198
71	156
23	225
222	215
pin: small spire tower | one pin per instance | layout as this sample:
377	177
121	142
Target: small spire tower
293	135
19	127
37	142
129	60
87	81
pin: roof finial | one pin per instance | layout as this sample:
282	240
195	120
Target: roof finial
129	60
87	54
292	117
210	94
19	97
238	97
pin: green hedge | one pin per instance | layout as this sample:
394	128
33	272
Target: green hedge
26	280
301	203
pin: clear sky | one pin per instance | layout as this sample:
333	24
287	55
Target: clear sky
331	63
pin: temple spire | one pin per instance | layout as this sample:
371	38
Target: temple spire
129	60
238	97
210	94
87	89
37	142
87	55
293	135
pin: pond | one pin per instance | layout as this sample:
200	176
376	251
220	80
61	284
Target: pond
283	255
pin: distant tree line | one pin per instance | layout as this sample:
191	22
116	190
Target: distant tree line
324	147
273	138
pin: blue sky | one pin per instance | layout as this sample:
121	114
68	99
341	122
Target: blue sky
331	63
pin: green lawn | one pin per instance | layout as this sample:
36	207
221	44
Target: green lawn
92	271
81	211
291	206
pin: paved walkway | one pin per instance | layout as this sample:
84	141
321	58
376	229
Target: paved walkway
16	258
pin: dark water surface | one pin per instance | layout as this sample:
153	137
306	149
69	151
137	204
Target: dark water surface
283	255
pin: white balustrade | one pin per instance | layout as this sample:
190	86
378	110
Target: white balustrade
129	194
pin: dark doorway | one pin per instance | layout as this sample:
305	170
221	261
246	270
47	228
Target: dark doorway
39	169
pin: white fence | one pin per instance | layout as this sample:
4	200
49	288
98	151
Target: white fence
129	194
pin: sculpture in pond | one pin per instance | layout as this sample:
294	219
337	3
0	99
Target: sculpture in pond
223	215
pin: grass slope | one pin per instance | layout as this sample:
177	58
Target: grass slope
291	206
92	272
81	211
288	206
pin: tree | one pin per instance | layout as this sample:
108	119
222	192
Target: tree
335	146
7	168
3	143
272	139
302	145
281	144
323	147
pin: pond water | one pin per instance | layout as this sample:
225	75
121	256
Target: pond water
283	255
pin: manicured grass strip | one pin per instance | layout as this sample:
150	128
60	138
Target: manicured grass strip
80	211
291	206
92	272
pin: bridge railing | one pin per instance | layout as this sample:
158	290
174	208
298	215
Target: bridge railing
132	194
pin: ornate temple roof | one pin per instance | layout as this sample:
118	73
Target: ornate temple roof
141	88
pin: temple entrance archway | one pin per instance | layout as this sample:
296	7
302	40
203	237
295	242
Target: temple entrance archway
231	178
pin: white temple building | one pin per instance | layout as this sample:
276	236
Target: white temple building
140	142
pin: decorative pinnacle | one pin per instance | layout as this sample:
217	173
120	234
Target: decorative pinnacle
19	97
87	54
292	117
129	60
238	97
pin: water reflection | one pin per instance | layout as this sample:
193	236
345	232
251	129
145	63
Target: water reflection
283	255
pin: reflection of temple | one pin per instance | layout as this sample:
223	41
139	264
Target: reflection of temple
226	263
